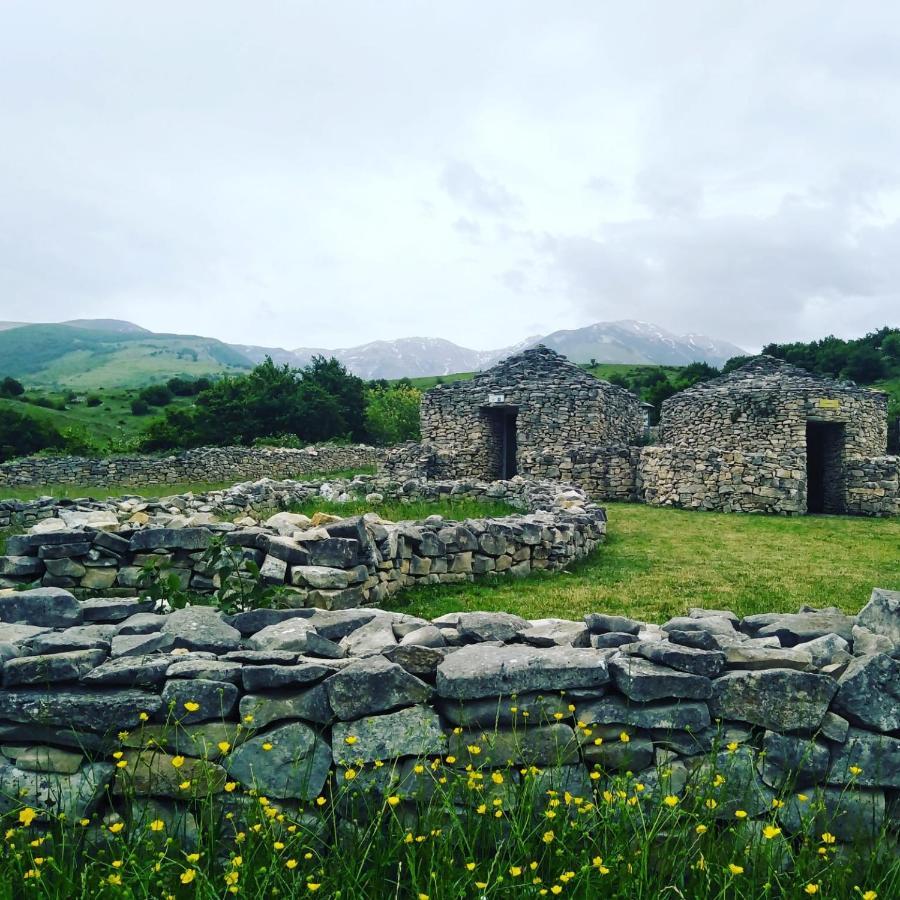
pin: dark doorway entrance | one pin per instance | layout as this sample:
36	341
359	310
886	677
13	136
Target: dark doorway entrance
501	441
824	467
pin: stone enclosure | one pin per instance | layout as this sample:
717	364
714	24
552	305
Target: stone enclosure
768	437
114	711
326	561
202	464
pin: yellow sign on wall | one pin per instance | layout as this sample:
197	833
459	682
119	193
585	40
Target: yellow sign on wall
827	403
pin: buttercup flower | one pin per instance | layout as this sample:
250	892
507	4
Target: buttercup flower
191	706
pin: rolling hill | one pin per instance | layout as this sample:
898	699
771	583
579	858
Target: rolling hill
85	355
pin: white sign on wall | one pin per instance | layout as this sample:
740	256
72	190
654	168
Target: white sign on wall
496	398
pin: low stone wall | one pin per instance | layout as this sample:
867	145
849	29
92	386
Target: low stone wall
116	716
609	473
324	561
202	464
730	481
873	486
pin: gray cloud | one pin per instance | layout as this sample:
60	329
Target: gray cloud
327	174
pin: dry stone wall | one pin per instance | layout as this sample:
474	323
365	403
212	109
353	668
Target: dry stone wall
324	561
115	713
555	403
202	464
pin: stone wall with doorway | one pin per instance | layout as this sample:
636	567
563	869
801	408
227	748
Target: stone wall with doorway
553	403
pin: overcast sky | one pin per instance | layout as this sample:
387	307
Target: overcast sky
327	173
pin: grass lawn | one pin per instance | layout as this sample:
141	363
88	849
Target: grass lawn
397	511
658	562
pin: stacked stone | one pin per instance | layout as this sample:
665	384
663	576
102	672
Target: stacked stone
873	486
608	473
110	706
201	464
557	405
321	561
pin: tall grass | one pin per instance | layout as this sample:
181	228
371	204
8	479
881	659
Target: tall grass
443	827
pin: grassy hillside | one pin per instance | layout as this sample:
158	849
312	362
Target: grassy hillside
71	357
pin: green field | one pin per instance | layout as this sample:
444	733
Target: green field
658	562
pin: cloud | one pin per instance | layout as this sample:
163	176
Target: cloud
481	195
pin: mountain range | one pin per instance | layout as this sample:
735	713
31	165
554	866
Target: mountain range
87	353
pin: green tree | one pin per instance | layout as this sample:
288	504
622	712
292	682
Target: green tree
9	387
21	435
392	414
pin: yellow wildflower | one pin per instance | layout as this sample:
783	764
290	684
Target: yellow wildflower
27	816
735	870
351	739
393	800
701	829
828	838
670	800
740	814
177	761
188	875
116	827
191	706
811	888
548	837
623	737
291	863
230	786
157	825
223	746
770	831
267	746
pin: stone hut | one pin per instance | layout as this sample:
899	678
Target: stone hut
533	402
783	439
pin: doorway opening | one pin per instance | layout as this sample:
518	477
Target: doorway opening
824	467
501	441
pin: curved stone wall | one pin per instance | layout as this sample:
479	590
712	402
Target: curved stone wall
113	712
324	561
202	464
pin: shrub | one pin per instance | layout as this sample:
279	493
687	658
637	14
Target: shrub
156	395
139	407
21	435
392	414
9	387
92	400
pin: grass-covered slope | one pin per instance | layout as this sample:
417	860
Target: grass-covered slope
78	358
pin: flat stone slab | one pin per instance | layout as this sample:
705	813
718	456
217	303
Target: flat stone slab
372	685
310	705
869	692
708	663
414	731
43	607
289	761
688	715
89	710
201	628
748	657
642	680
477	671
51	668
777	699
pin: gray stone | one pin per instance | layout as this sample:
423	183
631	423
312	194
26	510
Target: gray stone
823	651
869	692
849	815
612	639
486	671
489	626
699	640
633	755
261	657
21	566
882	614
19	634
73	796
60	551
141	644
51	668
273	570
295	766
130	671
171	539
556	633
310	704
178	821
598	623
777	699
685	716
542	745
208	669
797	628
65	568
415	731
525	709
742	789
642	680
201	628
789	761
697	612
47	759
255	620
417	660
373	685
323	577
79	637
427	636
316	645
78	708
866	642
216	699
44	606
708	663
141	623
334	552
748	657
273	677
709	624
289	634
374	637
877	755
335	624
834	727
